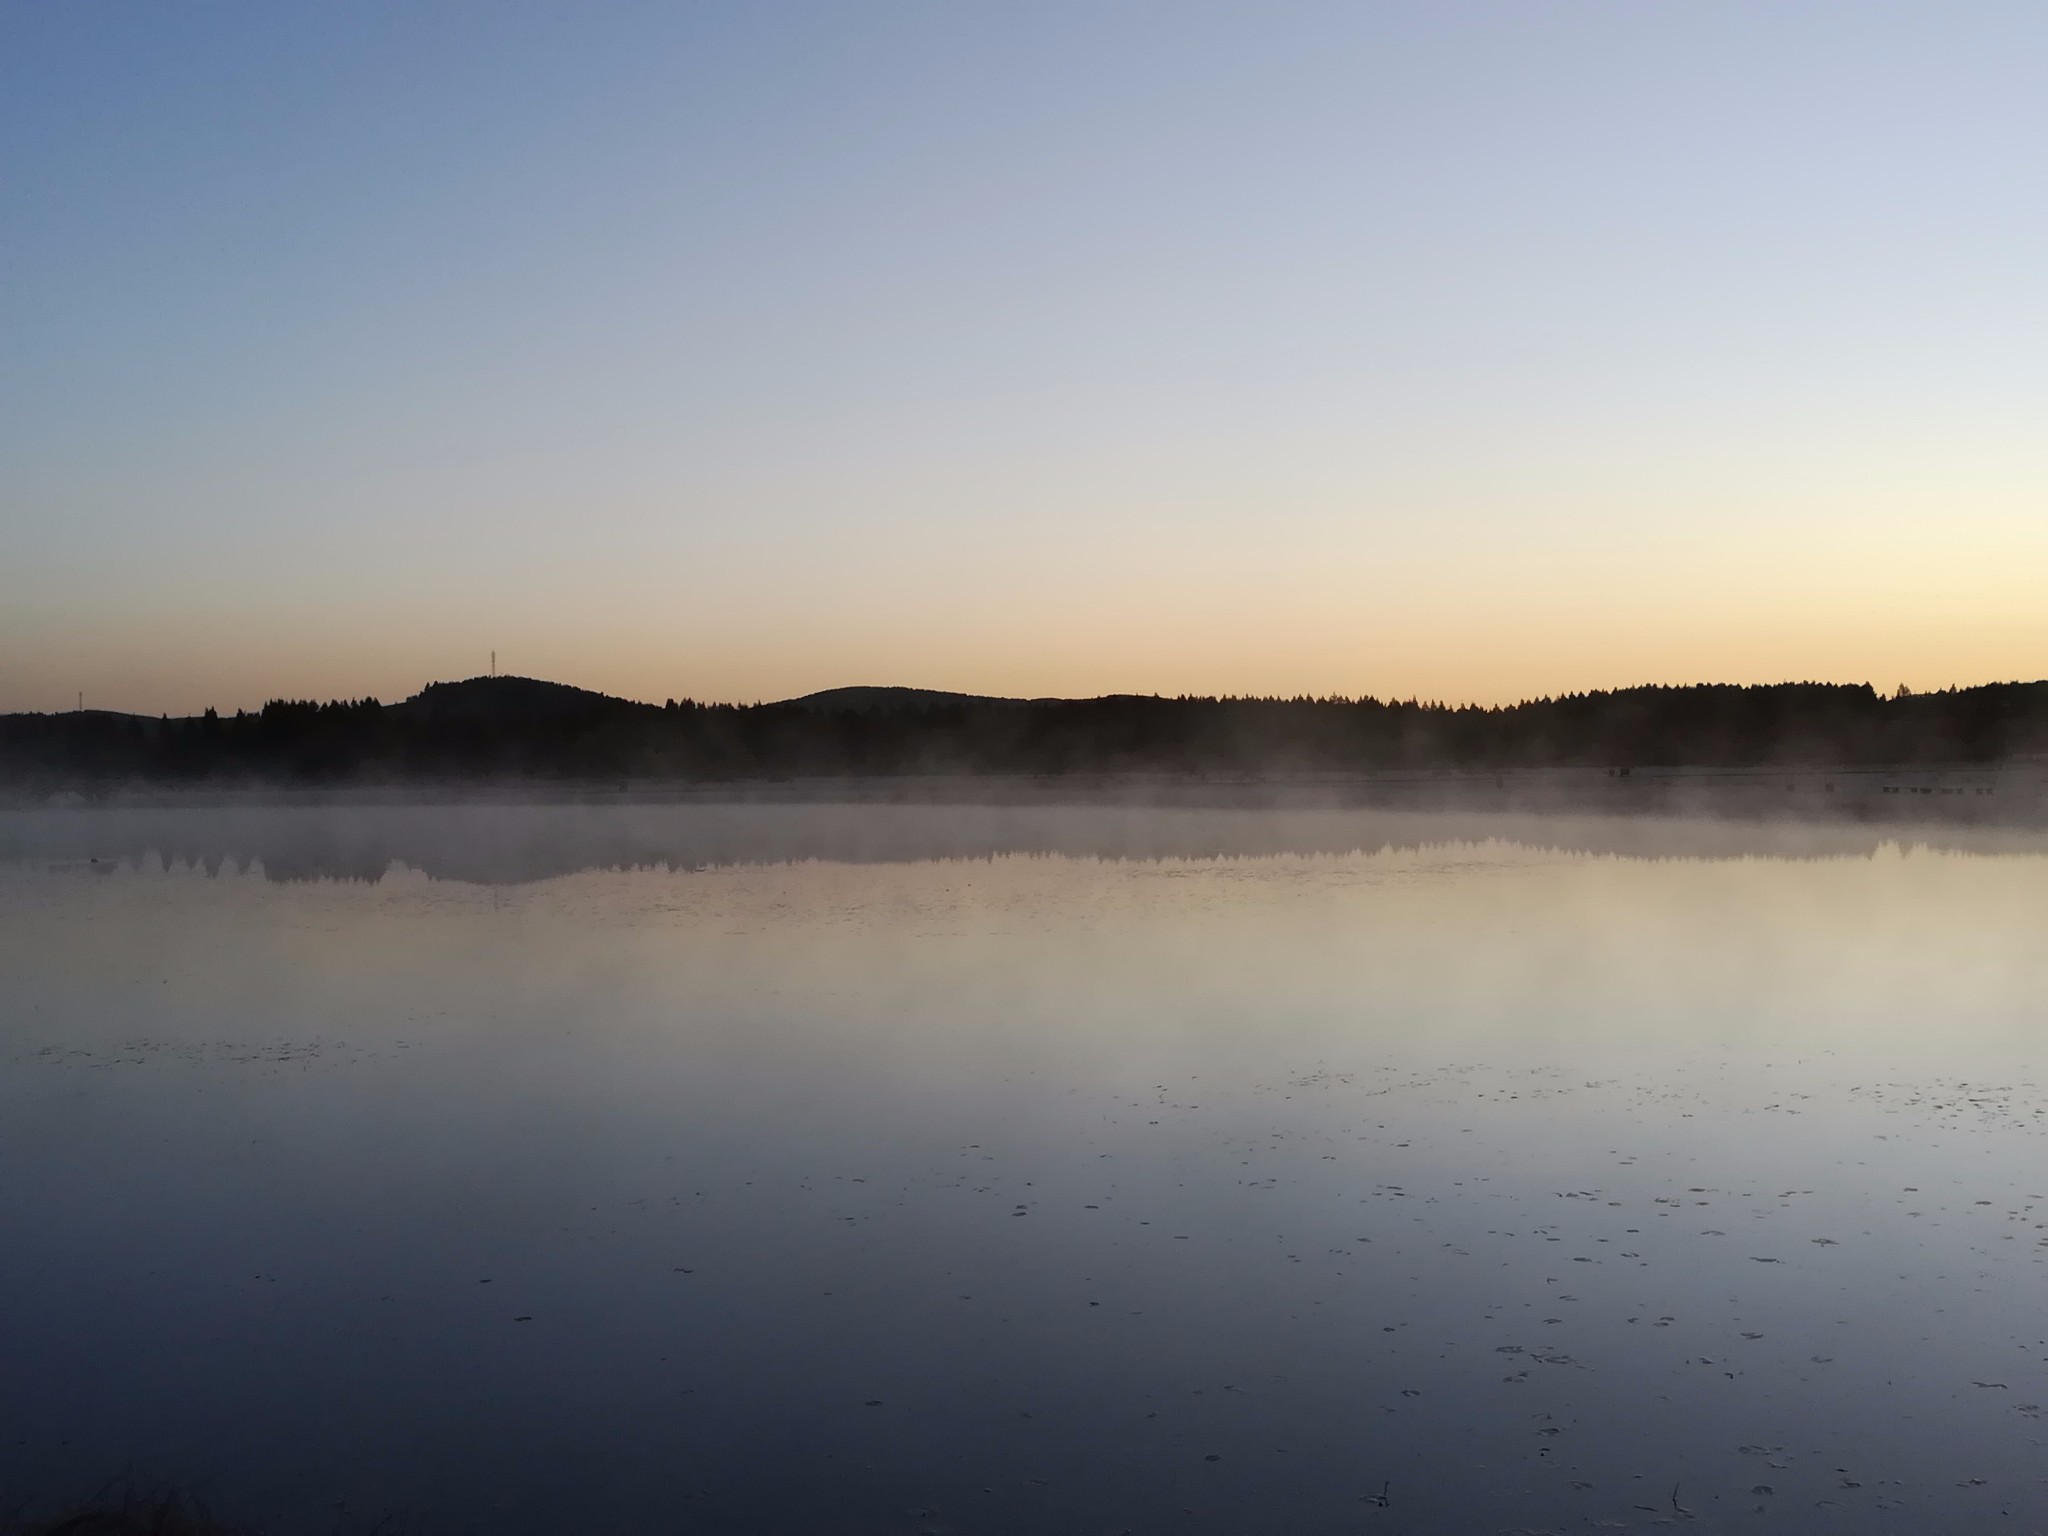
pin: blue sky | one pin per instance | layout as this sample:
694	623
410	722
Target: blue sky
1462	350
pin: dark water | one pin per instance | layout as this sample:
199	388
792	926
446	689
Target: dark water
1275	1172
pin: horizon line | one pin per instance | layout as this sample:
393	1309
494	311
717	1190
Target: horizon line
1412	700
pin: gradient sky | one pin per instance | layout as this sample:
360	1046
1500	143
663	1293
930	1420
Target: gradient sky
1459	350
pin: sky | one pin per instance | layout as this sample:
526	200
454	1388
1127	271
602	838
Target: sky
1452	350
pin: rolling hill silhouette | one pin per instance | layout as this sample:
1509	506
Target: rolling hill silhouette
513	699
870	700
527	728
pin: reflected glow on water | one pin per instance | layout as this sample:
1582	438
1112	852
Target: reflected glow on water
1521	1174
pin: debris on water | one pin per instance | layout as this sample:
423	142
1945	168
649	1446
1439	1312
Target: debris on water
882	1288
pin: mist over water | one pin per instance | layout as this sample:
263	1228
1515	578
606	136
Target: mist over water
1022	1168
490	842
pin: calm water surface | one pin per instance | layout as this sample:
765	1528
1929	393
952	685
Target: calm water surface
877	1170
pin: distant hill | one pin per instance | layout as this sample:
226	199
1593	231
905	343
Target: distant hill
869	701
505	699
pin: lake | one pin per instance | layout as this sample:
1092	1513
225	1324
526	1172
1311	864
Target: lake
897	1169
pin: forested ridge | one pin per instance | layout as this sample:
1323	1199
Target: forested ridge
515	728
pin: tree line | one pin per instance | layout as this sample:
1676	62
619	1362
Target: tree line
509	728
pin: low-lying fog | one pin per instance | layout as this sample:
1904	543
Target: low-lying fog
887	1168
501	843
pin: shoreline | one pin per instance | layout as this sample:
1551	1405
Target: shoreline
2011	792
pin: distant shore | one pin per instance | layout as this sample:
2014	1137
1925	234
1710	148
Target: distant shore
526	736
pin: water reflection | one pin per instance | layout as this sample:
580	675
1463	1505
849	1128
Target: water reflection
1415	1175
512	843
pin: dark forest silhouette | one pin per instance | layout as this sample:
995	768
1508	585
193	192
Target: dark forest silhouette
522	729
